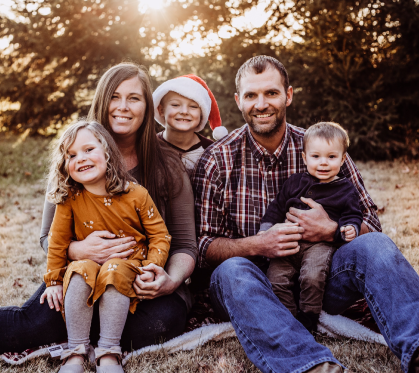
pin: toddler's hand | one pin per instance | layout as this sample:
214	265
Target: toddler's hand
349	231
147	276
54	295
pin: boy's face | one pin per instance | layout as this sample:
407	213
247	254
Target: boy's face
324	159
181	114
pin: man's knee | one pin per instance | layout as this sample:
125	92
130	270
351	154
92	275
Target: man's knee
373	246
238	273
232	268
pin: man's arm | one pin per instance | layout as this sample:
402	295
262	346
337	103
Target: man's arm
280	240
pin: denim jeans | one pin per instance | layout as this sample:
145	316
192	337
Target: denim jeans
370	266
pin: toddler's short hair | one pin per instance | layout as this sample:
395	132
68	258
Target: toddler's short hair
328	131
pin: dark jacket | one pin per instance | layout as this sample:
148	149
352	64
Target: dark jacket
339	199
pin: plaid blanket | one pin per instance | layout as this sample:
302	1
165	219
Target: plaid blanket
203	325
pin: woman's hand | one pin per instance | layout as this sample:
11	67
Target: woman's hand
101	246
54	295
178	268
163	284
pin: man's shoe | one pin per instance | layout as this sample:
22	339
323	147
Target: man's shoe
327	368
414	363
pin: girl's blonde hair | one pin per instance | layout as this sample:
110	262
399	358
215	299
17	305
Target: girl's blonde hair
59	180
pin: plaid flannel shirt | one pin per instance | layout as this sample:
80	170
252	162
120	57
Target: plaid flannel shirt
236	179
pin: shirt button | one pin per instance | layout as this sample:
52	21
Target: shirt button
310	193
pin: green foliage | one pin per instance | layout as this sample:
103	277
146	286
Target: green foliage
355	61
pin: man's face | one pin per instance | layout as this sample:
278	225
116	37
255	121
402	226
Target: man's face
263	101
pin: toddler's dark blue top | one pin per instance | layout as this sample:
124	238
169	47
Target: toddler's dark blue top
339	199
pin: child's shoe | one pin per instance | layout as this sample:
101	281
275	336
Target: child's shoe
114	351
80	350
309	320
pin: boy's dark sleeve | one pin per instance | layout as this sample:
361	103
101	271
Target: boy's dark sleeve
351	215
276	209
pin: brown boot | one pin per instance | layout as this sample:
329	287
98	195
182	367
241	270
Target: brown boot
327	368
414	363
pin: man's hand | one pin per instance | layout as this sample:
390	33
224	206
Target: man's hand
349	232
279	240
54	295
101	246
316	222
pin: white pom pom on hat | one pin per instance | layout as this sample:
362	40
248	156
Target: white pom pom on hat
194	88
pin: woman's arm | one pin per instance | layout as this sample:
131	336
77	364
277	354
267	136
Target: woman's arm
183	250
98	246
178	268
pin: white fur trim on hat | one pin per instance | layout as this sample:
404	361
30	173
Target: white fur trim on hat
188	88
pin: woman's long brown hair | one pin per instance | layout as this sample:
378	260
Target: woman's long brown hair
158	164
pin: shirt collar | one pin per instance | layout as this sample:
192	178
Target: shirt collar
259	151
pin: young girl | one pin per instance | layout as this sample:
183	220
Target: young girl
93	192
183	106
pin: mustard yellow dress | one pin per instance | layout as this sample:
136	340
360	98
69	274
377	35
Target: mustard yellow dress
131	214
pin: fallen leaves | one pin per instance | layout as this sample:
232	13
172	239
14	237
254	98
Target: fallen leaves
17	283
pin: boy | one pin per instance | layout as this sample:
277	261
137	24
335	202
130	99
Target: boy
324	151
183	106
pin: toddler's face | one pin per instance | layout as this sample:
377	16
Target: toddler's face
324	159
87	160
180	113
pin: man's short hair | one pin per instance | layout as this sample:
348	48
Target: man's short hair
258	65
328	131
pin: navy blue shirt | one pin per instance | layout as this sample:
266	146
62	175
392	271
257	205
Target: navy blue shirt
339	199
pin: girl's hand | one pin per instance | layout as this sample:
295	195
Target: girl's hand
163	284
101	246
147	276
54	295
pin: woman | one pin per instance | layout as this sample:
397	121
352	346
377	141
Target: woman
123	105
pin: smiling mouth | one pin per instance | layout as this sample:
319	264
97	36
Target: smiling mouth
264	115
81	169
122	119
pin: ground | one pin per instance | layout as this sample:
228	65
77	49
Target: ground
393	186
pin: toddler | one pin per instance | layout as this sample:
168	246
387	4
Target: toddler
93	192
183	106
324	151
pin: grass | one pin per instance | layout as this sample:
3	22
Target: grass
22	261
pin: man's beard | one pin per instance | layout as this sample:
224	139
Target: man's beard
265	130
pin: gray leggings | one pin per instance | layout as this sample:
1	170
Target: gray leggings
113	312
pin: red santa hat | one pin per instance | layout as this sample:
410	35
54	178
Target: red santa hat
194	88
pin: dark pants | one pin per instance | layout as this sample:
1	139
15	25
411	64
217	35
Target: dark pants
311	265
35	324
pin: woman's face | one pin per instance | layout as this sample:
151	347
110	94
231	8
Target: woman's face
127	109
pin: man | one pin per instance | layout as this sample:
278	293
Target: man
234	182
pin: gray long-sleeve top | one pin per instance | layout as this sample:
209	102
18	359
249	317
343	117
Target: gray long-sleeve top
180	224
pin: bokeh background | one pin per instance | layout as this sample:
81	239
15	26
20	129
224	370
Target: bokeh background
353	62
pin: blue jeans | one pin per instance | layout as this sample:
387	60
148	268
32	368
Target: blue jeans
370	266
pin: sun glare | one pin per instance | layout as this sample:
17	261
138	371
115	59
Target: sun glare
150	4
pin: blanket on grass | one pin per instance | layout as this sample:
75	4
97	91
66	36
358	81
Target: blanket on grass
203	326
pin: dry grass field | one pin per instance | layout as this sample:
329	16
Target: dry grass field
393	186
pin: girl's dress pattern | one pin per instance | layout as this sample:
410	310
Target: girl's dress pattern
130	214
